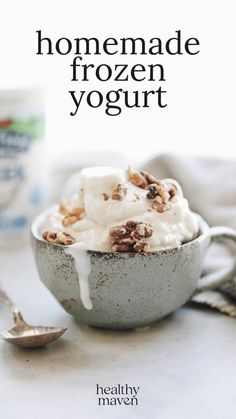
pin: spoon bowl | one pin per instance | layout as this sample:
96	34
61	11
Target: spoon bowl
32	336
25	335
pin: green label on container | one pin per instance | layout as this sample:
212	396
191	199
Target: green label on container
32	127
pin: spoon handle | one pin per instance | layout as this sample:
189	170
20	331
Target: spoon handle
17	316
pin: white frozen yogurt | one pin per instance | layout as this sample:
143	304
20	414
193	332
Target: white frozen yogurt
170	228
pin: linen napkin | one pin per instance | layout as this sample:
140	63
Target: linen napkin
210	187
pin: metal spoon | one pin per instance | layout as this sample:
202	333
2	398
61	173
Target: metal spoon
23	334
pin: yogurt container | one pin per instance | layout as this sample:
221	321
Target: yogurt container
22	125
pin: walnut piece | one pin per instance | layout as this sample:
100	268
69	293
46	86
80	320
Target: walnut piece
125	238
76	212
172	190
159	206
142	179
121	235
122	247
105	196
71	215
142	246
160	194
153	191
158	190
118	192
58	238
69	219
137	178
142	230
150	178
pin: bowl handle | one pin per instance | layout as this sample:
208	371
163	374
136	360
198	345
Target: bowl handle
218	278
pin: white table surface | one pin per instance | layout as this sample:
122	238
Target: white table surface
184	364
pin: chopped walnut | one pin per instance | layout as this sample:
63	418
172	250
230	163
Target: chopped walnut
150	178
160	195
137	178
160	207
77	212
121	235
122	247
105	196
125	238
153	191
142	179
118	192
69	219
172	190
58	238
71	215
142	246
118	231
142	230
158	190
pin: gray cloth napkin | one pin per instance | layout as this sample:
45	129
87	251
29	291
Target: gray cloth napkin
210	187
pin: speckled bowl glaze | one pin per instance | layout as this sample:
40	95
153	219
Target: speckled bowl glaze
127	290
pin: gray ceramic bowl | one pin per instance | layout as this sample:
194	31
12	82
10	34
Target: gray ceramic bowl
127	289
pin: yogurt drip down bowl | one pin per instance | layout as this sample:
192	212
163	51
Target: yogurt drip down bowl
128	290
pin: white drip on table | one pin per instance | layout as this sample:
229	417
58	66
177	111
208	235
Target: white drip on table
83	266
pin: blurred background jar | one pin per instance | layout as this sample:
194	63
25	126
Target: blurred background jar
22	126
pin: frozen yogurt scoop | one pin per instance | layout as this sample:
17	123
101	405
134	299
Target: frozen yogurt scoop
121	211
